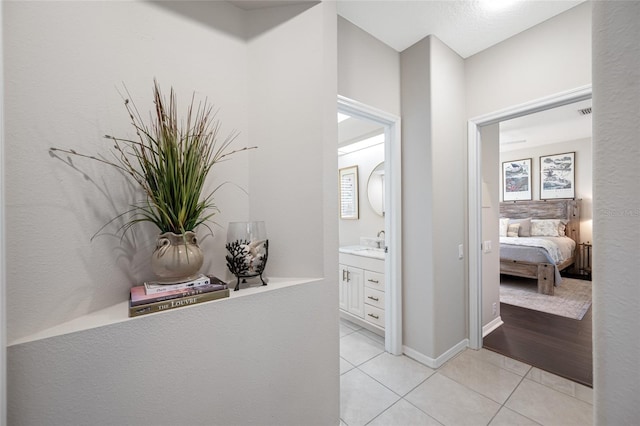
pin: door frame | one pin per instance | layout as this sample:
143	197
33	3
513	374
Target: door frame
475	192
3	291
392	217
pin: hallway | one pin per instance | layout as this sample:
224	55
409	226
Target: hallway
474	388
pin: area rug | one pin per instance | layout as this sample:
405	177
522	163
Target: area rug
571	298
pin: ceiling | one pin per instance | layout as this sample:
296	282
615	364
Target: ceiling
565	123
466	26
469	27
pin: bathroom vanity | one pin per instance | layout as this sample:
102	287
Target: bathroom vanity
362	286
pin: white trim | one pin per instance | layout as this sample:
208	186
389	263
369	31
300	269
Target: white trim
493	325
474	198
3	284
436	362
392	219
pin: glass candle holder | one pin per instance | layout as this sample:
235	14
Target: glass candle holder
247	250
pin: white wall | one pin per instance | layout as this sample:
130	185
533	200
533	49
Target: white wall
417	263
449	182
64	63
369	222
490	136
549	58
3	299
286	185
582	149
247	360
616	202
368	70
434	140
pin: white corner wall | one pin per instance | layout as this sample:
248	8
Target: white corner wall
449	182
291	82
418	325
244	353
616	202
368	70
434	188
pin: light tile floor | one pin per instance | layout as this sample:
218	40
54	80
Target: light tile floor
474	388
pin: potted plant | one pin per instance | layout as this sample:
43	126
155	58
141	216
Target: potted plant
170	160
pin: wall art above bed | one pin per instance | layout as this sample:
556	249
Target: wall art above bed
516	180
558	176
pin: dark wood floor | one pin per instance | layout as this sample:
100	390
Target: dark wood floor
552	343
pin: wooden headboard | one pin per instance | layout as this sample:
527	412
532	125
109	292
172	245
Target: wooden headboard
546	209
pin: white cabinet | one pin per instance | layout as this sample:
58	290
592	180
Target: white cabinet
352	290
362	289
374	298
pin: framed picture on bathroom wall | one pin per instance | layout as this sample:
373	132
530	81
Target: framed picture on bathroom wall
558	176
516	180
349	192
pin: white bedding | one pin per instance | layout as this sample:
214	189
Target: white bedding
559	248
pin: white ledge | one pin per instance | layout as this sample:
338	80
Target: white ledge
120	311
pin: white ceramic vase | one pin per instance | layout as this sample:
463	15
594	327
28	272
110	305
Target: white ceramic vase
177	257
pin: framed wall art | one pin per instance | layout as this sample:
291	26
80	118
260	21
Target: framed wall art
349	193
516	180
557	176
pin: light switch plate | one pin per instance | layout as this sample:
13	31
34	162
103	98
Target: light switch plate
460	251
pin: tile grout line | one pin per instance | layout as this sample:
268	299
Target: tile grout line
475	391
414	388
402	398
504	404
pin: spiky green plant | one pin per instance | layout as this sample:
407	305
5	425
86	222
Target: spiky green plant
170	160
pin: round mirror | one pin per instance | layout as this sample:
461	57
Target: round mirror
375	189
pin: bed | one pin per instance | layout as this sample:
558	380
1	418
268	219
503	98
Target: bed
541	256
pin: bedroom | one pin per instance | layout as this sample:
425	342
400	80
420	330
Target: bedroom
532	151
528	276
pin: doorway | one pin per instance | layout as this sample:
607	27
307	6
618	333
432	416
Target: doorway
475	194
392	215
550	332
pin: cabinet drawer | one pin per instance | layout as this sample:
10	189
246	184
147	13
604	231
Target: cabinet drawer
374	297
374	280
374	315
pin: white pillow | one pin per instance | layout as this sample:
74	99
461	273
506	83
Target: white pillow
504	225
562	227
547	227
512	230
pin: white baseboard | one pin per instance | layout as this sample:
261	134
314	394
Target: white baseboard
435	362
492	326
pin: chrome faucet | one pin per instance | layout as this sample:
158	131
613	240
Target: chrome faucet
381	232
381	243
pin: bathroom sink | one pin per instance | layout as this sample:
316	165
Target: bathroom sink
376	253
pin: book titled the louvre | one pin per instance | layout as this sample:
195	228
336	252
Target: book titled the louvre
179	302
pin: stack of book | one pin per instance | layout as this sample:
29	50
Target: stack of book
153	297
